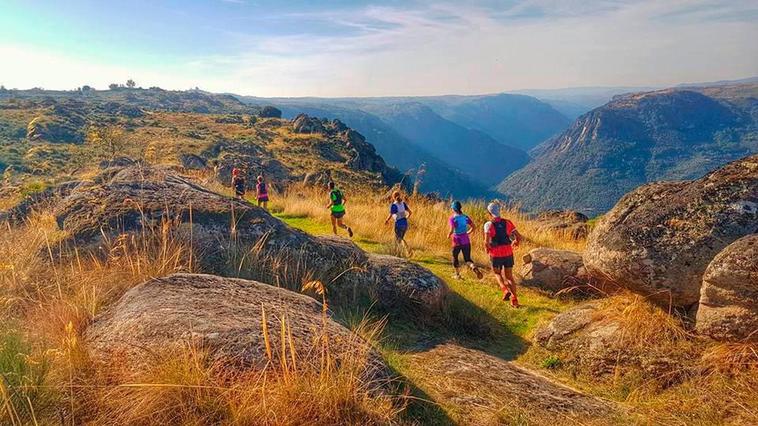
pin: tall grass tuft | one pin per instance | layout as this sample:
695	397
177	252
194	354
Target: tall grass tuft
52	291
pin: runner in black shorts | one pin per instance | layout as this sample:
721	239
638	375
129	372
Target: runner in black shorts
501	237
337	208
461	227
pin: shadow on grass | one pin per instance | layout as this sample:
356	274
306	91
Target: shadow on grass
421	408
460	322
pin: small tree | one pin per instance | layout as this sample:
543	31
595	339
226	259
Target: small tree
130	83
113	86
110	141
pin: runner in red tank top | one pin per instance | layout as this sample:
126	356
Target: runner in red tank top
500	238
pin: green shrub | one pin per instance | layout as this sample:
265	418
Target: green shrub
551	362
32	187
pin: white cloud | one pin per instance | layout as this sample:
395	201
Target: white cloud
455	48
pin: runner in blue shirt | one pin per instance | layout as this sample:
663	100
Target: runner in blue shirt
400	211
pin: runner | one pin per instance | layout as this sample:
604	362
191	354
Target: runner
261	193
238	183
337	207
400	211
460	228
501	237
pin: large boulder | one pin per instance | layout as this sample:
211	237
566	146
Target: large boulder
38	201
223	316
553	270
193	162
568	223
233	237
728	307
598	339
583	333
659	238
391	274
304	123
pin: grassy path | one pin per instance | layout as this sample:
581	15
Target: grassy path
478	328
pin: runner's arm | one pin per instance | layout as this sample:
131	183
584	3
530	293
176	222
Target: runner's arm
517	240
450	232
393	210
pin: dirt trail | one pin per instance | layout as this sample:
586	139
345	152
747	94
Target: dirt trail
484	389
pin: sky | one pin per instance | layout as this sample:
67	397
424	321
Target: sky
375	48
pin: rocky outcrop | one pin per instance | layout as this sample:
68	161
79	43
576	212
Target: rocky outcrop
59	123
396	280
659	239
118	162
569	223
193	162
253	160
580	331
666	135
487	388
728	307
269	112
233	237
225	317
553	270
306	124
361	154
598	341
38	201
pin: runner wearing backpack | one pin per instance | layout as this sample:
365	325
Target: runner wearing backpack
500	238
337	207
461	226
400	211
238	183
262	193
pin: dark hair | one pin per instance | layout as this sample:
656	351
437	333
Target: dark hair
331	184
457	207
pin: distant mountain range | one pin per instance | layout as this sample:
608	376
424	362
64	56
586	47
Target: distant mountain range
671	134
467	144
398	150
575	101
464	146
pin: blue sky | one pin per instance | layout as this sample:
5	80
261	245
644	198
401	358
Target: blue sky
368	48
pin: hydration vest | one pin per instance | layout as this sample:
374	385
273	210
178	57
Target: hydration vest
336	196
501	237
401	212
262	188
239	183
461	224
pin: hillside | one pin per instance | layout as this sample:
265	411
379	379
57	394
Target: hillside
515	120
575	101
472	151
408	135
634	139
50	138
398	151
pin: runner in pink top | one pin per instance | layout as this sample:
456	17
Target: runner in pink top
262	193
460	228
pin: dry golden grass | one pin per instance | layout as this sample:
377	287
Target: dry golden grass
664	372
187	387
48	295
428	229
